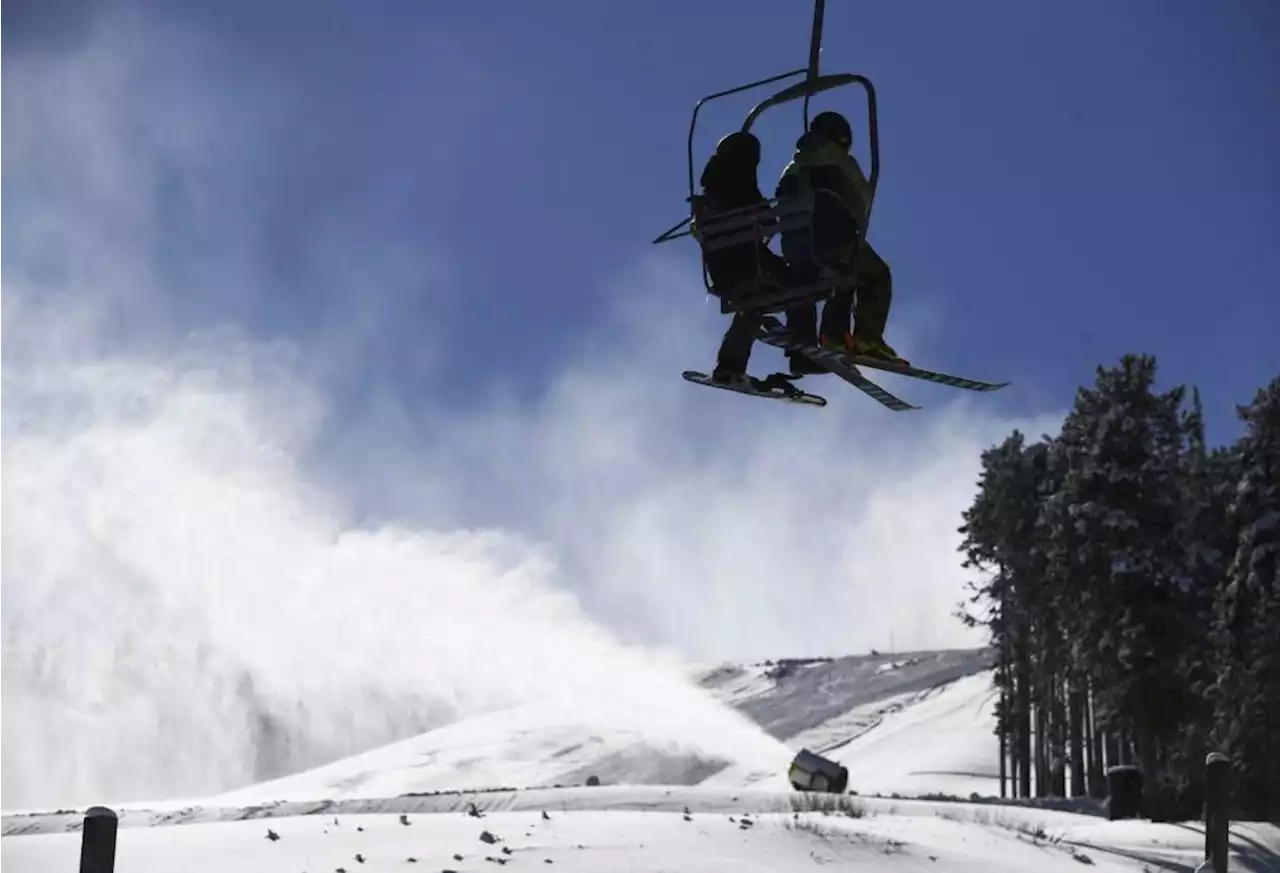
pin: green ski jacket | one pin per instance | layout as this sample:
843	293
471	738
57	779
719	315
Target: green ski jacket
830	166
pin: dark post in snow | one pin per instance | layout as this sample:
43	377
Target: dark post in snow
1124	783
98	841
1217	810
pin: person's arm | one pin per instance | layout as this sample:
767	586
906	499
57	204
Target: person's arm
836	170
856	190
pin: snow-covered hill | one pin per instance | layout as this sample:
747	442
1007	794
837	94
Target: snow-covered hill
482	793
822	705
825	705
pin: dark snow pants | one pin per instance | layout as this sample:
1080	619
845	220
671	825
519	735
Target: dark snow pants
870	313
735	348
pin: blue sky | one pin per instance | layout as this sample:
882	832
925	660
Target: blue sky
1062	182
334	344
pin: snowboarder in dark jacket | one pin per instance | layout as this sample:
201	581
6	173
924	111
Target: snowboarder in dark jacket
729	182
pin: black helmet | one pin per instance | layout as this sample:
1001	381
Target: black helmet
740	148
832	126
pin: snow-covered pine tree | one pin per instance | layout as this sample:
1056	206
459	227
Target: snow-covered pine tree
1208	538
1065	609
1248	627
1083	608
1118	514
999	540
1062	612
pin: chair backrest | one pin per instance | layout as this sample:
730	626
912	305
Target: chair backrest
731	210
832	222
717	230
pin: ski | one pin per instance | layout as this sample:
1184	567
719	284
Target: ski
775	335
775	387
926	375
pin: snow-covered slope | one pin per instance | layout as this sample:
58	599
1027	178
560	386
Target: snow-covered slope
521	748
879	715
474	795
634	829
790	697
822	705
938	741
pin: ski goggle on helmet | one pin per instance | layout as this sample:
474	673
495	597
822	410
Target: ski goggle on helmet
834	127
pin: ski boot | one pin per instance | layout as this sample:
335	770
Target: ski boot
862	347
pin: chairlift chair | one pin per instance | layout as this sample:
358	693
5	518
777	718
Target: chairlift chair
719	230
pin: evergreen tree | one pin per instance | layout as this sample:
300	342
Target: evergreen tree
999	537
1132	591
1208	539
1248	627
1122	492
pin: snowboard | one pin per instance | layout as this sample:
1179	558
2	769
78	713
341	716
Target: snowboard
846	367
775	387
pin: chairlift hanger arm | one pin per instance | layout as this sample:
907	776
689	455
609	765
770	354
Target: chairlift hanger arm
675	232
815	52
815	37
810	87
817	85
693	123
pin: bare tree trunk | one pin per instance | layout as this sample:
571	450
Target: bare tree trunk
1148	759
1022	694
1006	723
1042	761
1057	738
1003	765
1075	716
1097	769
1090	756
1013	764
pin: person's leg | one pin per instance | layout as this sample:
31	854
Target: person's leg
835	239
735	348
875	294
802	324
829	242
835	318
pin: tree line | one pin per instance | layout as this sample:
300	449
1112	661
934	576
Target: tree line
1131	591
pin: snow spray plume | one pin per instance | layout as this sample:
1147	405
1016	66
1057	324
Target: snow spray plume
183	614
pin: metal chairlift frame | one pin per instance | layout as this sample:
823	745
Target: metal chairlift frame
755	223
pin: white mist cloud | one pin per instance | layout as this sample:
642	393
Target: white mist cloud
190	582
720	525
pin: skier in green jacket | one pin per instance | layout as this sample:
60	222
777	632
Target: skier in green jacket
842	198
